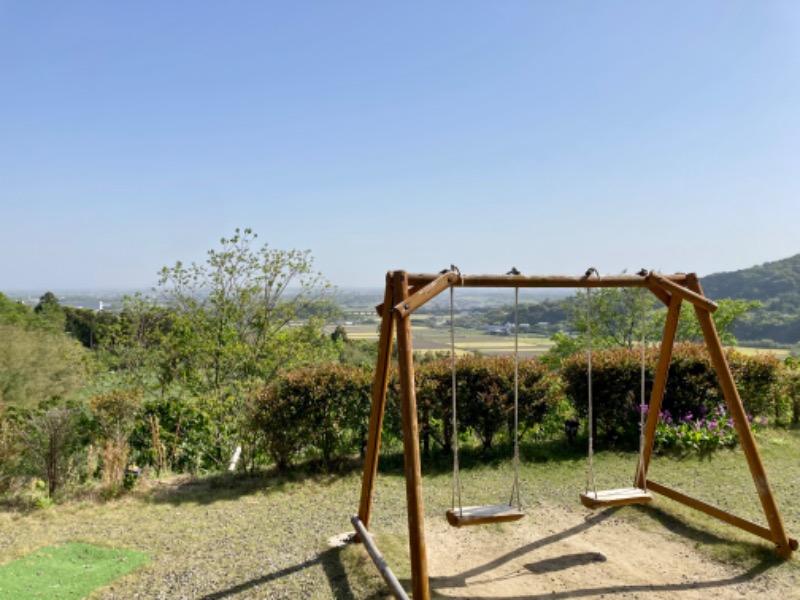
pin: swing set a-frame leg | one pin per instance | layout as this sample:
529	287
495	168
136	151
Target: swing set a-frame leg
413	466
397	291
746	439
378	409
776	531
659	386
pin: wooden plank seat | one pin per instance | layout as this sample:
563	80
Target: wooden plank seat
480	515
618	497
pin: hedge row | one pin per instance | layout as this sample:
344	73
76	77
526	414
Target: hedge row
324	411
692	386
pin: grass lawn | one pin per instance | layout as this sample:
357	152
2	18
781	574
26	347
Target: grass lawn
66	572
266	536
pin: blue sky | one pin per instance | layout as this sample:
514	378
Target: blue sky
550	136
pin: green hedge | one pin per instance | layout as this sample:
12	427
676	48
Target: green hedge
324	411
319	411
485	398
692	386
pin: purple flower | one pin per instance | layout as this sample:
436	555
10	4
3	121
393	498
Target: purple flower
712	424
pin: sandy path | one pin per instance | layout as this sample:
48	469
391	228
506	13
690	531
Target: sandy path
556	552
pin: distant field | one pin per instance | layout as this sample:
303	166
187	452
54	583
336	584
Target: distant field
427	339
751	351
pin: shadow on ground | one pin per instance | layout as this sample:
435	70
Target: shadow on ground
331	562
765	561
225	486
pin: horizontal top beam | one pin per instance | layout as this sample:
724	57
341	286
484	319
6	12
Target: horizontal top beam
544	281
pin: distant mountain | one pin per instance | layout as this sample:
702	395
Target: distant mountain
762	282
777	285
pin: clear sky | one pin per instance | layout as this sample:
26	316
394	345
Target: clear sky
547	135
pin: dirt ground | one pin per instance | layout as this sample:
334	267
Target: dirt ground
557	552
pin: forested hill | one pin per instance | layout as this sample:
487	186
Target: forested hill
763	282
777	286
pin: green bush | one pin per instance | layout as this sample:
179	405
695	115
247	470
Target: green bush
616	383
114	415
485	398
692	386
46	442
172	433
790	388
321	410
758	379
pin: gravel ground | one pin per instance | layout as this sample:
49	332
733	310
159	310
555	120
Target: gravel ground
263	537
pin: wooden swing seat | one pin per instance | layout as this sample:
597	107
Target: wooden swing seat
481	515
619	497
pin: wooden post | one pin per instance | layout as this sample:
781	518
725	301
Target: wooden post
659	386
377	558
687	294
378	407
416	511
746	439
425	293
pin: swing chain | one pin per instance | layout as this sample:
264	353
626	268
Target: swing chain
456	492
590	483
515	486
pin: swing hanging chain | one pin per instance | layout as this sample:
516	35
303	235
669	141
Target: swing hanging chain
590	483
642	406
456	492
515	488
456	489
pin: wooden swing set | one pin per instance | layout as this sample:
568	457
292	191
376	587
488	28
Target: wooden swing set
405	293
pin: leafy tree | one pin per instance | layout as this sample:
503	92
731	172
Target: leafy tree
239	321
49	437
85	324
725	319
38	365
50	314
145	345
14	313
616	320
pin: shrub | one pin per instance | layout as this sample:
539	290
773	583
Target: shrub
172	433
758	378
48	438
616	381
692	386
790	388
114	416
323	410
485	397
9	451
